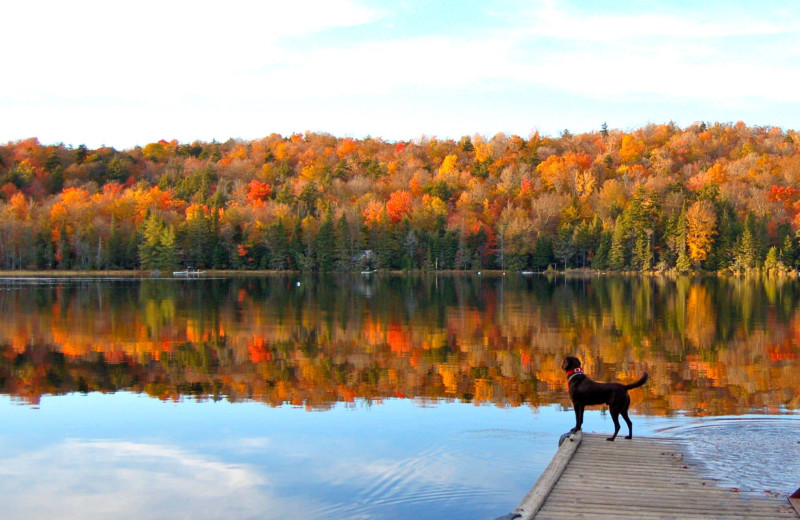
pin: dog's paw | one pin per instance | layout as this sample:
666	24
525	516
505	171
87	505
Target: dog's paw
610	439
629	437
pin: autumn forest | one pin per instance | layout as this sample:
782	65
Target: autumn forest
711	197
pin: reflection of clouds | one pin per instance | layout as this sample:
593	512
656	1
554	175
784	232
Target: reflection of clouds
248	444
109	479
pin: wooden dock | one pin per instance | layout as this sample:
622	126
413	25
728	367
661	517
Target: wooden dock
643	478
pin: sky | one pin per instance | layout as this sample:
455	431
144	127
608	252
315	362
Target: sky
127	73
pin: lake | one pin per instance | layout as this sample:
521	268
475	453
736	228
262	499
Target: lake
373	396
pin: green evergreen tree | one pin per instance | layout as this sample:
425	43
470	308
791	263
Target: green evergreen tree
617	253
641	218
771	263
197	241
297	249
325	245
642	256
564	247
542	253
151	240
167	249
723	252
279	247
220	255
410	246
158	249
788	252
343	259
683	264
582	239
746	255
600	260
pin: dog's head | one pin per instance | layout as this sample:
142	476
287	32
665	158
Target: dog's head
570	362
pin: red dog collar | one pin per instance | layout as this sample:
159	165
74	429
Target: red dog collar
574	371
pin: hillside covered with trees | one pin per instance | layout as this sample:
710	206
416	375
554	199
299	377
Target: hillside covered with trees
711	196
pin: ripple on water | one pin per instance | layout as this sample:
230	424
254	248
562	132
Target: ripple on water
461	475
753	454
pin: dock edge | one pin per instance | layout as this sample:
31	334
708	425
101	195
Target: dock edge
535	498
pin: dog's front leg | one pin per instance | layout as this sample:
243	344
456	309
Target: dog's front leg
578	418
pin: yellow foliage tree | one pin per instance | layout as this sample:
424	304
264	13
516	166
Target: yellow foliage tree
701	224
448	165
631	150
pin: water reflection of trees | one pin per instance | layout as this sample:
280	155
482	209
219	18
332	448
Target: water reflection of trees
712	346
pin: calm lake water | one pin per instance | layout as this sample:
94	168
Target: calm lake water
367	396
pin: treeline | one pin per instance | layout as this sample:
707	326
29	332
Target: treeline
711	197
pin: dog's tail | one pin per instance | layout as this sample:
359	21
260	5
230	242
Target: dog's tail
638	383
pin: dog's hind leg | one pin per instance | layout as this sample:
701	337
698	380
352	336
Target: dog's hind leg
624	414
615	418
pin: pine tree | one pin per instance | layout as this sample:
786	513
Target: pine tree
158	249
279	247
151	239
542	253
116	247
582	240
788	252
410	245
746	250
683	264
167	249
343	260
297	249
600	260
325	245
564	247
771	263
616	254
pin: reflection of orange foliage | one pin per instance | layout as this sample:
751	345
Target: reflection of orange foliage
508	358
258	350
700	327
398	340
786	351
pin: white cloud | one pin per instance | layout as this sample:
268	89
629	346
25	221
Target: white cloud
149	49
125	73
672	56
558	20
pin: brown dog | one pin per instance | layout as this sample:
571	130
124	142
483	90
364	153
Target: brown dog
585	392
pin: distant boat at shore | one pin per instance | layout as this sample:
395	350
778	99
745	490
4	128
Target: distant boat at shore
188	272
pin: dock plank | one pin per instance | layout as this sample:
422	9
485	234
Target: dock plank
643	478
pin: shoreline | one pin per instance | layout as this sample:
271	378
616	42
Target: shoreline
574	273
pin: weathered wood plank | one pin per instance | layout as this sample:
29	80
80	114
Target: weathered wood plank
721	507
572	515
686	498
